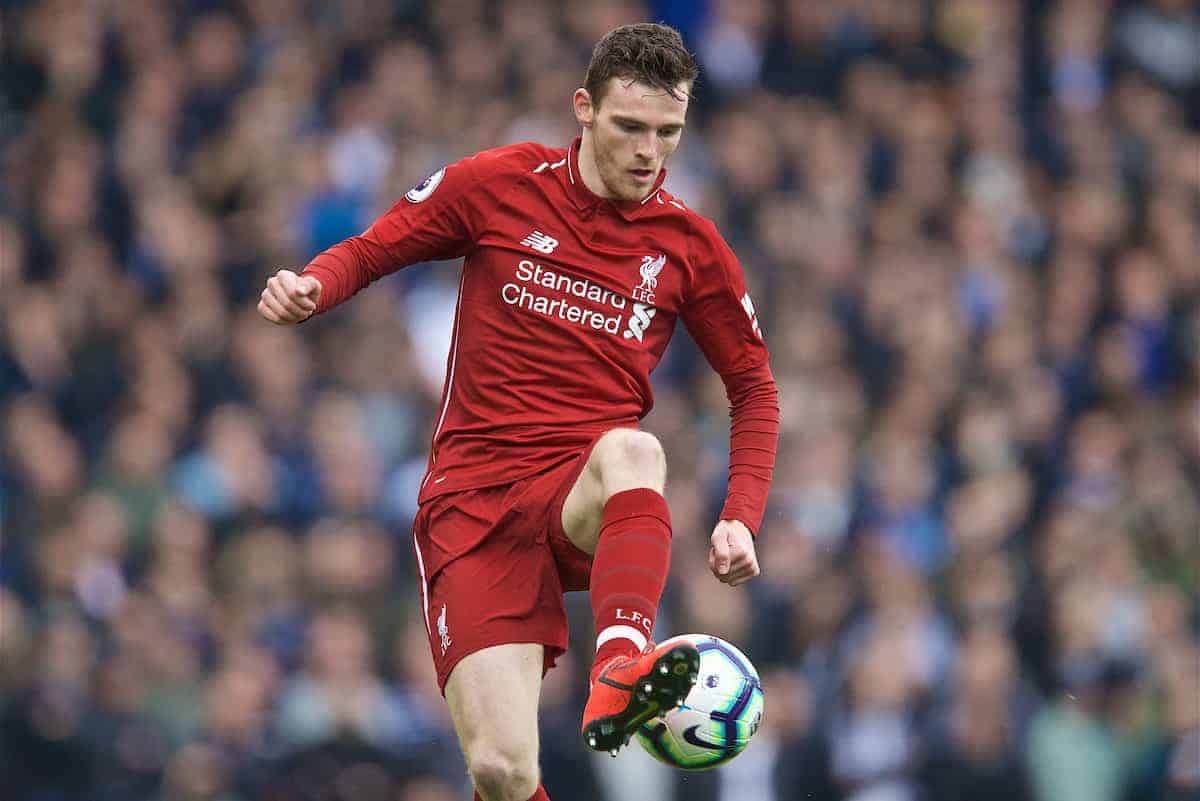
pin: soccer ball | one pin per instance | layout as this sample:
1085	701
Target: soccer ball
719	715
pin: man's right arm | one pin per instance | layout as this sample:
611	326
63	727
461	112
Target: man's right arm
434	220
439	218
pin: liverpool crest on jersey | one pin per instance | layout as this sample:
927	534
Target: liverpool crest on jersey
650	269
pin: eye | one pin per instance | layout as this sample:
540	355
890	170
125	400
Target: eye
667	133
630	127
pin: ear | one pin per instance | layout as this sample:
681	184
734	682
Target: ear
585	112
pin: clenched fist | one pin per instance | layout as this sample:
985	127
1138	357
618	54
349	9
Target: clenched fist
731	558
289	298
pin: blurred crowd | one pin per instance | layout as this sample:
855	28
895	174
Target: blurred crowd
971	229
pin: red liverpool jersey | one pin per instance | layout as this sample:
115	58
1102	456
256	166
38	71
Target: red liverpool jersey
567	303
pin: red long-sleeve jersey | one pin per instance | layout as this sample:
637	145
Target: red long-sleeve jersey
567	302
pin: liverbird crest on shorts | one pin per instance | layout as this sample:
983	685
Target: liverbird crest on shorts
443	631
650	269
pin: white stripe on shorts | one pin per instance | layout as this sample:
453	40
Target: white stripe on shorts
424	585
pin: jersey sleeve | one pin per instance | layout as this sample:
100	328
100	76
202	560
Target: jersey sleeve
717	309
720	317
439	218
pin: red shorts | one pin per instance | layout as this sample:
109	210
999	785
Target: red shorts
494	564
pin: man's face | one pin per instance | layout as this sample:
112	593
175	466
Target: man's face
635	129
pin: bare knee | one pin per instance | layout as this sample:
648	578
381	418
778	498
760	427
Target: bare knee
493	699
627	459
502	774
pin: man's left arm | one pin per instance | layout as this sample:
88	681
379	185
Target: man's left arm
753	433
721	319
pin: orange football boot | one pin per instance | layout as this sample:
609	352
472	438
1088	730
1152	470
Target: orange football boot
628	691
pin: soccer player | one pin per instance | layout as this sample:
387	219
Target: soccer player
578	264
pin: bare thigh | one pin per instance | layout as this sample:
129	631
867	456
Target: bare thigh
493	700
620	460
583	509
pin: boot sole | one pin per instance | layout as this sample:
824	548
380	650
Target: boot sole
665	686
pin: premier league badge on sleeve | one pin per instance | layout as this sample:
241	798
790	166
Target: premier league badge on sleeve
424	189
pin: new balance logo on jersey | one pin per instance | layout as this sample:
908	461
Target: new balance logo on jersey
540	242
639	321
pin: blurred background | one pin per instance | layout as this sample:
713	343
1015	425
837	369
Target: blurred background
971	229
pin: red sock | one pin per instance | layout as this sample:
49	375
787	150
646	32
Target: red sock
629	570
538	795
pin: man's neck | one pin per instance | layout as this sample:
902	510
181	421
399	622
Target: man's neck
587	167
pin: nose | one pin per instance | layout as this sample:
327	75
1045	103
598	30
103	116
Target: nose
645	146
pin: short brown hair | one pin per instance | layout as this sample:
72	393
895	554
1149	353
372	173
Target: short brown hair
644	52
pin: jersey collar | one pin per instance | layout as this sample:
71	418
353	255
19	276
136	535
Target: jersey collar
586	199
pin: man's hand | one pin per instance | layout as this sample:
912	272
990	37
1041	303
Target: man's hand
289	298
731	557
